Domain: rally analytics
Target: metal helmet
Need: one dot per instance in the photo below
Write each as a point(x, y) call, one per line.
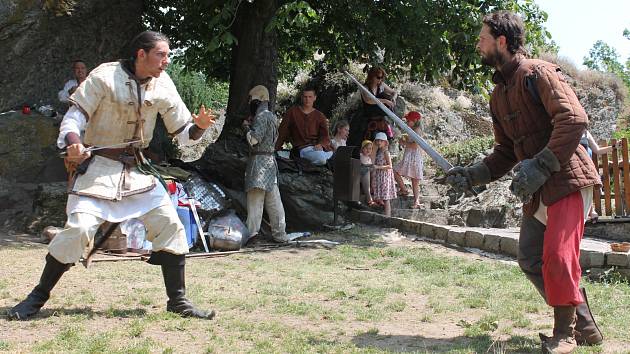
point(260, 93)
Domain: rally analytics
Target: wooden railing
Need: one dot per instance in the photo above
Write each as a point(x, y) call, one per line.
point(615, 175)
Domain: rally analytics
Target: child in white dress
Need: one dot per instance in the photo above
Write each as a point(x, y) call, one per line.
point(412, 163)
point(366, 167)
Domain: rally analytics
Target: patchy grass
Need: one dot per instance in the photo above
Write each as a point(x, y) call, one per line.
point(364, 296)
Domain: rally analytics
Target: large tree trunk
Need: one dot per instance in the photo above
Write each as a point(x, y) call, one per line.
point(307, 197)
point(40, 39)
point(254, 58)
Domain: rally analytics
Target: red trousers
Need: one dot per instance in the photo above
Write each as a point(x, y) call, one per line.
point(561, 269)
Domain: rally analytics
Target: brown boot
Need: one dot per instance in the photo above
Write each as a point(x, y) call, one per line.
point(563, 341)
point(586, 330)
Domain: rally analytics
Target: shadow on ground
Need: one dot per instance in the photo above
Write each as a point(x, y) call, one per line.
point(83, 311)
point(19, 240)
point(479, 344)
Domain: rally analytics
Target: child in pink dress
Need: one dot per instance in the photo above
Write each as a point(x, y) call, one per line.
point(384, 188)
point(412, 162)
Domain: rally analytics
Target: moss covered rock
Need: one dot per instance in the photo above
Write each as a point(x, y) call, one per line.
point(28, 151)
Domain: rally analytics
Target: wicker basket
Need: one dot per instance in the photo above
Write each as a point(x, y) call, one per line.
point(620, 247)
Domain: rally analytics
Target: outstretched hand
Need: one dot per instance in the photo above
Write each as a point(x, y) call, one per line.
point(205, 119)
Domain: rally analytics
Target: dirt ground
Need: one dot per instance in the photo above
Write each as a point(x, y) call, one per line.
point(112, 300)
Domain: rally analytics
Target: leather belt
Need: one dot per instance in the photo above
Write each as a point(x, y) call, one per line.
point(124, 155)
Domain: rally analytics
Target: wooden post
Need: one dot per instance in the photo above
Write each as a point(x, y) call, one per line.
point(597, 192)
point(606, 183)
point(615, 176)
point(626, 175)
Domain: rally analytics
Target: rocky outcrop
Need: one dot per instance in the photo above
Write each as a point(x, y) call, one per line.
point(39, 40)
point(494, 206)
point(28, 153)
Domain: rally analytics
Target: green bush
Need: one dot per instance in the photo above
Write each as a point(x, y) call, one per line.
point(620, 134)
point(465, 152)
point(196, 90)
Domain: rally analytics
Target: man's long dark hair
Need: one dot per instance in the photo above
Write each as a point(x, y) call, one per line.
point(146, 40)
point(510, 25)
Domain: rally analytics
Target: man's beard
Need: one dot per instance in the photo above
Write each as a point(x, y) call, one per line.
point(493, 59)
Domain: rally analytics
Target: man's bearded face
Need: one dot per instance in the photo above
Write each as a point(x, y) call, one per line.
point(488, 48)
point(490, 57)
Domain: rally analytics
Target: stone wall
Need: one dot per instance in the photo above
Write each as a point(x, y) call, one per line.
point(39, 40)
point(596, 257)
point(28, 153)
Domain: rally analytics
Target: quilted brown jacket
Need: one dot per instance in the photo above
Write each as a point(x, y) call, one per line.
point(525, 124)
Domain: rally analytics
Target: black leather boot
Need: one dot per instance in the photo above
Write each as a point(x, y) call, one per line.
point(53, 270)
point(174, 272)
point(586, 330)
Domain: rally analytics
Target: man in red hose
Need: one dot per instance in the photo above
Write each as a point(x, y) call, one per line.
point(538, 121)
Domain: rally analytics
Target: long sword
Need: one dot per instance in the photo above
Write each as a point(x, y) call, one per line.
point(193, 208)
point(95, 148)
point(439, 159)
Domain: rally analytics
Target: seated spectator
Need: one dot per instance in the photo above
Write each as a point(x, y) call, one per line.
point(306, 129)
point(79, 71)
point(340, 134)
point(372, 118)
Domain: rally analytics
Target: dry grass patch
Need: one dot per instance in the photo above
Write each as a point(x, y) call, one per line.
point(364, 296)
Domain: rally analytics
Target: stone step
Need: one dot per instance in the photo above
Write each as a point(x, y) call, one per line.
point(595, 254)
point(613, 229)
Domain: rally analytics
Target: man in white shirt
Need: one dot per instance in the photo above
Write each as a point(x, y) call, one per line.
point(79, 71)
point(118, 104)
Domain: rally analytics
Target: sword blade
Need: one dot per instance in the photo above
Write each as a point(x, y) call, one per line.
point(193, 208)
point(95, 148)
point(439, 159)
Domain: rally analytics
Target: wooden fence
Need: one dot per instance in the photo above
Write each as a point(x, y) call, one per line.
point(615, 174)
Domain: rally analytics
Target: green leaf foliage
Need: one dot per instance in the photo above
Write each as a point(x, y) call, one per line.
point(604, 58)
point(196, 90)
point(430, 40)
point(466, 152)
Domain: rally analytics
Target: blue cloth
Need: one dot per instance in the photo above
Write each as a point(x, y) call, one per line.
point(316, 157)
point(584, 142)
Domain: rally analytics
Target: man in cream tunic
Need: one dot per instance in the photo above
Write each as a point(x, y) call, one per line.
point(118, 103)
